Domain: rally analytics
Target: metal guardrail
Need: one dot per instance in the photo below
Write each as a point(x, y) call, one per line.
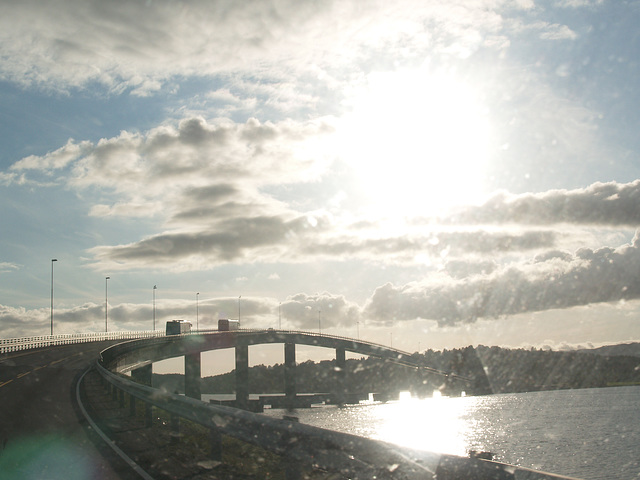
point(26, 343)
point(305, 448)
point(8, 345)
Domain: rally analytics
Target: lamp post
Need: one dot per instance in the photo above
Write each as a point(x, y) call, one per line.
point(155, 287)
point(239, 297)
point(52, 260)
point(197, 313)
point(106, 303)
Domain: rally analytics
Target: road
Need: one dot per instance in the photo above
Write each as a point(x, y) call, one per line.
point(42, 435)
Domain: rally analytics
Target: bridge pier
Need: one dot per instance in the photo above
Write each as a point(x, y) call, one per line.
point(290, 390)
point(341, 375)
point(242, 375)
point(143, 375)
point(192, 375)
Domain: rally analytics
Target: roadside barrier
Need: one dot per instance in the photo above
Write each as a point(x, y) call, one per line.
point(304, 448)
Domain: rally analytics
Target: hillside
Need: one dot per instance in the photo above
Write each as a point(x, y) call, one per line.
point(628, 349)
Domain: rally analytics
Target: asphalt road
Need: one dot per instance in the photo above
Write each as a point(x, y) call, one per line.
point(42, 434)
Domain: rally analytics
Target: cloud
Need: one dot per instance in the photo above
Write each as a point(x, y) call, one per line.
point(324, 310)
point(462, 292)
point(168, 162)
point(6, 267)
point(138, 46)
point(554, 280)
point(602, 204)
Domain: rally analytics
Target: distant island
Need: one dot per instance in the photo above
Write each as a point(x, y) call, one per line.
point(477, 370)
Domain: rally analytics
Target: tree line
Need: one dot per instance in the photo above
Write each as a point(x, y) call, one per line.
point(477, 370)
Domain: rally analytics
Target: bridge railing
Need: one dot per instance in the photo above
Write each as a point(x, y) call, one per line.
point(27, 343)
point(309, 332)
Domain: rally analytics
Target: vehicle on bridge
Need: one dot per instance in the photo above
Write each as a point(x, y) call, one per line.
point(227, 325)
point(178, 327)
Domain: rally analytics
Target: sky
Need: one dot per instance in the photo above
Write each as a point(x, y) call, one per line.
point(425, 174)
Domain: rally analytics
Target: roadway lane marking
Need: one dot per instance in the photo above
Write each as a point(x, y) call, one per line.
point(23, 374)
point(5, 383)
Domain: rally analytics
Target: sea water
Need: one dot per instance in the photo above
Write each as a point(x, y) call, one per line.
point(589, 434)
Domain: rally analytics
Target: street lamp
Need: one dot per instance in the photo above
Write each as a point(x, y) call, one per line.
point(239, 309)
point(52, 260)
point(155, 287)
point(106, 303)
point(197, 313)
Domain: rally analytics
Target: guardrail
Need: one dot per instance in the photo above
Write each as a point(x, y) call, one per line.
point(305, 448)
point(26, 343)
point(302, 446)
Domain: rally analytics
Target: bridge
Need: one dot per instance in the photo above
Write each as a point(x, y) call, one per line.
point(58, 366)
point(138, 356)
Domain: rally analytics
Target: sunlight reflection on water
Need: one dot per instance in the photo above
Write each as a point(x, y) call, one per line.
point(590, 433)
point(436, 424)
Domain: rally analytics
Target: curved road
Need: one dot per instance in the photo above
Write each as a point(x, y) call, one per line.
point(42, 434)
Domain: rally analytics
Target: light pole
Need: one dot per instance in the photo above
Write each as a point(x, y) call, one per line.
point(280, 316)
point(155, 287)
point(106, 303)
point(197, 313)
point(239, 309)
point(52, 260)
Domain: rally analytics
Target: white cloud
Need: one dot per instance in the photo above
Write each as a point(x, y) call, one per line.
point(6, 267)
point(553, 281)
point(137, 47)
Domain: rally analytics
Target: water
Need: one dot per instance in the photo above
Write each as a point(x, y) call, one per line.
point(589, 434)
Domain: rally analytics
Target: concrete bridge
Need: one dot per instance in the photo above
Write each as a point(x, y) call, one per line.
point(137, 356)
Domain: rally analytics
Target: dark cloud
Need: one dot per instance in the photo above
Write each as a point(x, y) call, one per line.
point(604, 204)
point(435, 244)
point(232, 239)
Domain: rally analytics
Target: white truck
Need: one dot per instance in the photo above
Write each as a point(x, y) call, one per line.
point(227, 325)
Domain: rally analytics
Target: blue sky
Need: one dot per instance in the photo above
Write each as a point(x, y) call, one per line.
point(440, 173)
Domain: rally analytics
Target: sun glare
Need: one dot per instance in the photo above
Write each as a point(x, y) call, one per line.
point(417, 142)
point(436, 425)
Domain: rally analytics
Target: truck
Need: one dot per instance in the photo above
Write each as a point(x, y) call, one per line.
point(227, 325)
point(178, 327)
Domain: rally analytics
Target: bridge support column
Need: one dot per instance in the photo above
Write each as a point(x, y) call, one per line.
point(192, 375)
point(242, 376)
point(341, 374)
point(290, 390)
point(143, 375)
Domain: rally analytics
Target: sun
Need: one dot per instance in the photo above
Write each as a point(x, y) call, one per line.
point(416, 141)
